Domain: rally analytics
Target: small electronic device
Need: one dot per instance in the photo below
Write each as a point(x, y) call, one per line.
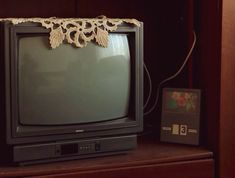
point(180, 122)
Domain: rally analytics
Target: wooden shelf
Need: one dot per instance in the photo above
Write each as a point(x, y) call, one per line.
point(149, 153)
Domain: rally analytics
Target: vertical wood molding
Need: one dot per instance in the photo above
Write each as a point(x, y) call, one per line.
point(227, 114)
point(207, 69)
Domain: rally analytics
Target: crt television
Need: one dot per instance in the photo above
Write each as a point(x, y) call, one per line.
point(68, 103)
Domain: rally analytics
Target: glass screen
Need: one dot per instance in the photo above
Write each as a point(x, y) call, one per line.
point(69, 85)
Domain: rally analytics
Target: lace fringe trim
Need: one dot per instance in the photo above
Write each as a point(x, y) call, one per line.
point(77, 31)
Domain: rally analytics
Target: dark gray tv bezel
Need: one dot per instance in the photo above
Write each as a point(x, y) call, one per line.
point(16, 134)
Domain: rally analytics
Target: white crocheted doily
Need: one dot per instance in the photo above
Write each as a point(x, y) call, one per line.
point(77, 31)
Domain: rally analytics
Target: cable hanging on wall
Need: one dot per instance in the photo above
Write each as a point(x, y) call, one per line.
point(152, 108)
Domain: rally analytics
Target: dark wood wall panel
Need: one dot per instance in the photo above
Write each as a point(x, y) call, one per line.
point(121, 8)
point(207, 69)
point(42, 8)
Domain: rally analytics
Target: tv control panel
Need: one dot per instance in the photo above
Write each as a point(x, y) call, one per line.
point(77, 148)
point(74, 149)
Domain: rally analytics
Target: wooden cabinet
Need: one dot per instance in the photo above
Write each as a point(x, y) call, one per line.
point(168, 26)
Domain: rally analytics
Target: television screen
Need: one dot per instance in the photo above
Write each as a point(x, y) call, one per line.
point(67, 85)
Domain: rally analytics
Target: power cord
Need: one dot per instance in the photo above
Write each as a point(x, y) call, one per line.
point(167, 79)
